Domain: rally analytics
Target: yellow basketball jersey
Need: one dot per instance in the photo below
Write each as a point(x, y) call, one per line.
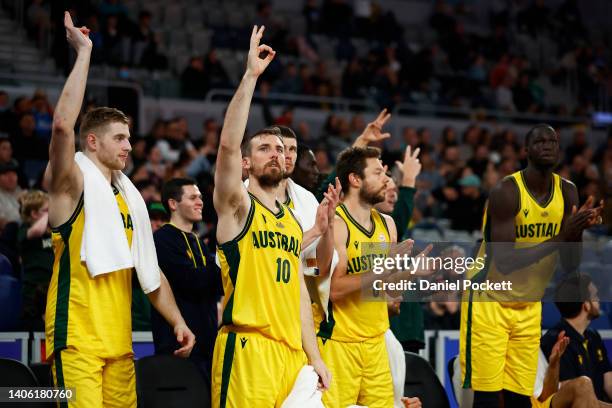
point(91, 314)
point(354, 318)
point(534, 223)
point(260, 274)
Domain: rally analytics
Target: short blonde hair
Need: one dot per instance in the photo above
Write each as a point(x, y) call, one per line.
point(98, 118)
point(32, 200)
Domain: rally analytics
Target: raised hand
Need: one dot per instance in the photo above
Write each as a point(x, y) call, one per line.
point(78, 37)
point(411, 167)
point(595, 217)
point(559, 348)
point(373, 131)
point(333, 198)
point(579, 220)
point(256, 65)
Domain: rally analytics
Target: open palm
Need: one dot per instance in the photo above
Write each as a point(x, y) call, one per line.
point(256, 65)
point(78, 37)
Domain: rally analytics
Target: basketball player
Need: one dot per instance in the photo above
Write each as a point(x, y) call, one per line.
point(352, 339)
point(88, 320)
point(267, 323)
point(529, 213)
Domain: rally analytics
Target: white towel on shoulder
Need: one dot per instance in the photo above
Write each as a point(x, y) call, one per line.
point(104, 247)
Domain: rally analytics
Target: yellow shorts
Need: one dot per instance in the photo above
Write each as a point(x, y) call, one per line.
point(537, 404)
point(250, 370)
point(499, 345)
point(360, 373)
point(97, 382)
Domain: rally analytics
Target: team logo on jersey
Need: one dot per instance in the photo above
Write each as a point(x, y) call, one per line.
point(579, 359)
point(243, 341)
point(599, 355)
point(525, 211)
point(356, 243)
point(280, 225)
point(381, 237)
point(545, 214)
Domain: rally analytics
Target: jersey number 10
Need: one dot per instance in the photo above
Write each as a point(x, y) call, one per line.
point(283, 270)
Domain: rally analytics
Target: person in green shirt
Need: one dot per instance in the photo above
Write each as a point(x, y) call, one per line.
point(36, 253)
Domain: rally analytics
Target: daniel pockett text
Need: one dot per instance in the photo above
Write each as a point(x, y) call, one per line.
point(492, 271)
point(423, 266)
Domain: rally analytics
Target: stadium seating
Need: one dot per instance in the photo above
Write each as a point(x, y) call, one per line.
point(421, 381)
point(6, 268)
point(168, 381)
point(10, 302)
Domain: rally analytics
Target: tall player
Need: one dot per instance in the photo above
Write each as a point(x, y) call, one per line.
point(529, 214)
point(88, 319)
point(267, 320)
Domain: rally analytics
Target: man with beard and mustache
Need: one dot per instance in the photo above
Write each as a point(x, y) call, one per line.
point(586, 355)
point(266, 305)
point(529, 222)
point(352, 337)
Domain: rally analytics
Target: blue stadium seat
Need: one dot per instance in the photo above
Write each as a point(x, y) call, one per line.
point(10, 302)
point(6, 268)
point(607, 255)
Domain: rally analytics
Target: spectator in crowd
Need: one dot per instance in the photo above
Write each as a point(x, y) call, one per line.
point(38, 20)
point(6, 150)
point(43, 115)
point(9, 194)
point(215, 72)
point(191, 271)
point(194, 80)
point(115, 41)
point(465, 211)
point(36, 253)
point(176, 143)
point(577, 299)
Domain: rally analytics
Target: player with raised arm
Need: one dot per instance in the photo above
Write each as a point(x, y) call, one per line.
point(88, 315)
point(267, 330)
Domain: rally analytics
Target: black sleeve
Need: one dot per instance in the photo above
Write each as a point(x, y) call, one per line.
point(330, 179)
point(570, 366)
point(402, 213)
point(182, 275)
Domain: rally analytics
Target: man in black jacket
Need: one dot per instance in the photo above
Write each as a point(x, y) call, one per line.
point(191, 272)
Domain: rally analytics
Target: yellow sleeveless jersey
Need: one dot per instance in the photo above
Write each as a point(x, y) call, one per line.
point(260, 274)
point(355, 319)
point(92, 315)
point(534, 223)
